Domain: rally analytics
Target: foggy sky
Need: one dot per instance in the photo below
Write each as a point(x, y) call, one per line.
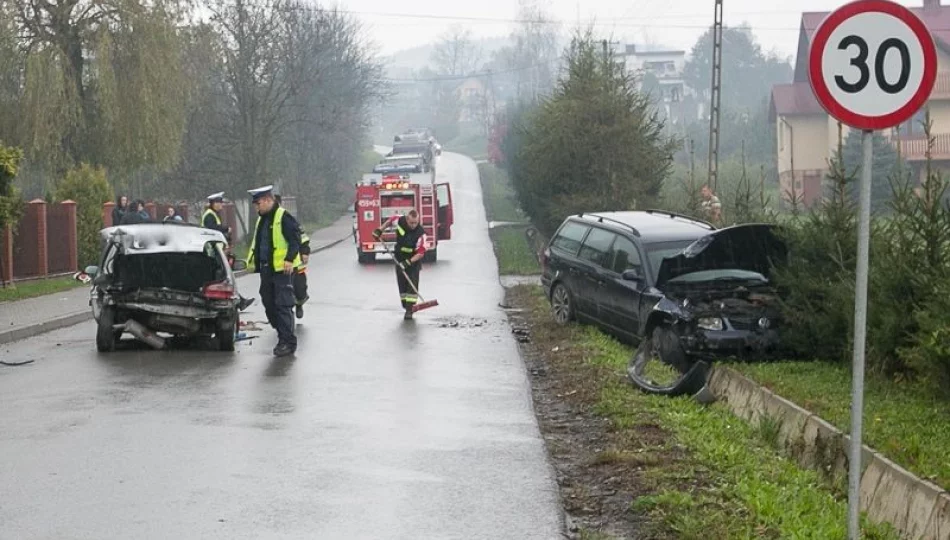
point(673, 23)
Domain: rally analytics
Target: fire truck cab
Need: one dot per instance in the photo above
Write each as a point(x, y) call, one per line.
point(379, 199)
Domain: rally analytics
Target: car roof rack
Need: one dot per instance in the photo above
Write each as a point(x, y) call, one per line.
point(682, 216)
point(602, 219)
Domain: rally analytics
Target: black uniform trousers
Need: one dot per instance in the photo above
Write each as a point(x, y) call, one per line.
point(277, 295)
point(407, 295)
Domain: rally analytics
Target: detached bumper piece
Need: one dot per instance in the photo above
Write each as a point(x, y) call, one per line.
point(143, 334)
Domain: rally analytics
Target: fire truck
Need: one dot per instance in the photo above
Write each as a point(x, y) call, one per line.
point(380, 197)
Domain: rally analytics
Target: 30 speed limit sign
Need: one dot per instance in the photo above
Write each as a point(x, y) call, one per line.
point(872, 64)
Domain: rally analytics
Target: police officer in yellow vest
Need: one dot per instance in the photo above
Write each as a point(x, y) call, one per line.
point(211, 219)
point(274, 253)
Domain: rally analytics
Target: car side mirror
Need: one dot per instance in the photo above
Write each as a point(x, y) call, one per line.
point(91, 271)
point(632, 275)
point(238, 265)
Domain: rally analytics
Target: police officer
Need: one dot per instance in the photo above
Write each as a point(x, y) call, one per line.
point(211, 219)
point(409, 250)
point(274, 253)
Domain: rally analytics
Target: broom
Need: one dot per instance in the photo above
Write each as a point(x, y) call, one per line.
point(418, 306)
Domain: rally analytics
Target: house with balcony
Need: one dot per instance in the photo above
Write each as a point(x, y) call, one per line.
point(667, 66)
point(807, 136)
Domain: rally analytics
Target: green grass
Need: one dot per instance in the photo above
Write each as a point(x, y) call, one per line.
point(471, 142)
point(907, 424)
point(748, 489)
point(513, 252)
point(32, 289)
point(501, 204)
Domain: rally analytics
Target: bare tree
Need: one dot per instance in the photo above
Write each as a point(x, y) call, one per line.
point(456, 54)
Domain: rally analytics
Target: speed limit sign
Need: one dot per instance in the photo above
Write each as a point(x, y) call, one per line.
point(872, 64)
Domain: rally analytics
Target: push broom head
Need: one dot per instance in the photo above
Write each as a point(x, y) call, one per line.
point(424, 305)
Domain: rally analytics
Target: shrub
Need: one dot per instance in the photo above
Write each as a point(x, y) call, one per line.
point(11, 203)
point(89, 188)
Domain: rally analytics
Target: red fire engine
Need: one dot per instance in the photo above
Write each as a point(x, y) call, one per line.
point(377, 200)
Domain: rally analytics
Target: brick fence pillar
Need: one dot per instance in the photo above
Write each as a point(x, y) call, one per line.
point(72, 234)
point(107, 209)
point(152, 210)
point(183, 211)
point(6, 256)
point(36, 216)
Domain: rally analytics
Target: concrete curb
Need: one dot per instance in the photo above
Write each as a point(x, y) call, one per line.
point(57, 323)
point(889, 493)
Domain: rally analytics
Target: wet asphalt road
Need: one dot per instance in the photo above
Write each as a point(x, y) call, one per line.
point(378, 428)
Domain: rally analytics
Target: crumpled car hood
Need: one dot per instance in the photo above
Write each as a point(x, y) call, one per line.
point(752, 247)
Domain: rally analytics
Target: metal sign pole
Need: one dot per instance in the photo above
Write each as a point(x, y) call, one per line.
point(860, 334)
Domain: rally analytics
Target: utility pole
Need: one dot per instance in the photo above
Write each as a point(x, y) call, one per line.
point(716, 94)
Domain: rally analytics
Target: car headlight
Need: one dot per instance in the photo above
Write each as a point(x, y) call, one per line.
point(710, 323)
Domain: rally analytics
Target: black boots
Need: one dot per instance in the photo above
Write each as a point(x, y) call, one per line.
point(244, 303)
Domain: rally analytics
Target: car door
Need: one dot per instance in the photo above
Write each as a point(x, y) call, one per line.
point(592, 278)
point(564, 266)
point(622, 305)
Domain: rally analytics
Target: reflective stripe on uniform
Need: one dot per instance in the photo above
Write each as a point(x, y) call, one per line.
point(407, 250)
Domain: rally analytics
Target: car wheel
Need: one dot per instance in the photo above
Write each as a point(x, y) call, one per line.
point(105, 334)
point(227, 332)
point(562, 304)
point(661, 366)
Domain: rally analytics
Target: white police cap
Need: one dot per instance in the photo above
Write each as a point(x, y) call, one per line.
point(219, 196)
point(260, 192)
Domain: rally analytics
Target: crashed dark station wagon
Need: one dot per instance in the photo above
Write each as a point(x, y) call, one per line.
point(171, 278)
point(687, 292)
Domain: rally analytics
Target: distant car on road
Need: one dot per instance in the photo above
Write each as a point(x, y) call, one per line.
point(687, 292)
point(170, 277)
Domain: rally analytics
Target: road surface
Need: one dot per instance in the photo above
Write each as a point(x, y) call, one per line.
point(377, 428)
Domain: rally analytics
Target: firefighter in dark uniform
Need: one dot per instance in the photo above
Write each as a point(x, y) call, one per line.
point(409, 250)
point(275, 253)
point(211, 219)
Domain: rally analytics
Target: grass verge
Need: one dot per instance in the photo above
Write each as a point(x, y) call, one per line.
point(707, 474)
point(470, 142)
point(514, 253)
point(908, 425)
point(32, 289)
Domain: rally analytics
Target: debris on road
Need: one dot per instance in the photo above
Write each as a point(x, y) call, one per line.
point(144, 335)
point(14, 364)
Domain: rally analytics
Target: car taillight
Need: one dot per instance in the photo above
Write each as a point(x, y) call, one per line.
point(221, 290)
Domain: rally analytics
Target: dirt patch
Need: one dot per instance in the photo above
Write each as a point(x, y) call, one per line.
point(602, 466)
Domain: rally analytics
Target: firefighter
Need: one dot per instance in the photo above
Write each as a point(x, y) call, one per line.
point(211, 219)
point(409, 250)
point(275, 253)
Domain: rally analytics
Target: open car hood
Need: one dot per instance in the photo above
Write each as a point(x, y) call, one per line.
point(753, 247)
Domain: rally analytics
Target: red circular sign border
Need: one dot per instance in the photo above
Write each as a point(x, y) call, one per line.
point(840, 112)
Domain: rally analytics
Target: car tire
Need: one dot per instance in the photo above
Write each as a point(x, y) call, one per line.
point(365, 258)
point(430, 256)
point(105, 334)
point(663, 343)
point(227, 332)
point(562, 304)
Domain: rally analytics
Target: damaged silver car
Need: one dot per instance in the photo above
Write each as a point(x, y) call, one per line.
point(687, 292)
point(169, 278)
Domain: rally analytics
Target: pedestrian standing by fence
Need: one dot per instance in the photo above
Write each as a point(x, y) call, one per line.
point(274, 254)
point(121, 208)
point(137, 214)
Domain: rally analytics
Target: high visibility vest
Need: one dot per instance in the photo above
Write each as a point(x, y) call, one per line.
point(217, 218)
point(278, 244)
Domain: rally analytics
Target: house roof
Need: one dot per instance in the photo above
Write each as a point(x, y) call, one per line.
point(795, 99)
point(935, 17)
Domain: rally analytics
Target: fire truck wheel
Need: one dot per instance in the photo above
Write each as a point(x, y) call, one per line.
point(430, 257)
point(365, 258)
